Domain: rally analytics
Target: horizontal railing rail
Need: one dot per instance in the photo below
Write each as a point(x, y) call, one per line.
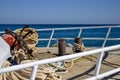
point(79, 34)
point(35, 64)
point(105, 39)
point(82, 38)
point(70, 28)
point(101, 51)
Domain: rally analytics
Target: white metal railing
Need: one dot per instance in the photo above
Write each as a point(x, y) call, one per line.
point(79, 33)
point(35, 64)
point(101, 51)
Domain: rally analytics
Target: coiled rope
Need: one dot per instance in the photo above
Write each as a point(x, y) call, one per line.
point(78, 47)
point(63, 66)
point(19, 55)
point(30, 39)
point(44, 72)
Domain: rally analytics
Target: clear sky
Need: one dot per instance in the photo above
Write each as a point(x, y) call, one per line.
point(59, 11)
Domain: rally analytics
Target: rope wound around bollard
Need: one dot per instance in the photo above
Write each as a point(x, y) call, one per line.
point(78, 46)
point(63, 66)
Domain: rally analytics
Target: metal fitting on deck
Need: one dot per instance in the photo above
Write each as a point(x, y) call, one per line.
point(61, 47)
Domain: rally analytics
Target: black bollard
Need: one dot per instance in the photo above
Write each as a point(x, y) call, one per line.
point(61, 47)
point(78, 41)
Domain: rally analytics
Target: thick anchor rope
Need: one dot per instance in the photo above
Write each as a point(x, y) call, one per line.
point(21, 52)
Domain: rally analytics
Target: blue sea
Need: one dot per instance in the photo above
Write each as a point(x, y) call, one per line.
point(90, 33)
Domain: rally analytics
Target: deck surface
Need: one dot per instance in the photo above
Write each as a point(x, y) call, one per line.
point(84, 67)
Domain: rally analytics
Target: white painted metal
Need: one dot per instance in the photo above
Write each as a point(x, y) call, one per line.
point(71, 28)
point(80, 28)
point(2, 31)
point(50, 38)
point(33, 73)
point(107, 35)
point(113, 39)
point(79, 34)
point(99, 60)
point(104, 74)
point(46, 61)
point(56, 59)
point(83, 39)
point(98, 64)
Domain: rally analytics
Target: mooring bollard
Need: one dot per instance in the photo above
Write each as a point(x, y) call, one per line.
point(77, 47)
point(78, 41)
point(61, 47)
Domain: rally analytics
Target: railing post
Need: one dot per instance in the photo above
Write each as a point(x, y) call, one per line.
point(100, 57)
point(79, 34)
point(107, 35)
point(98, 65)
point(33, 73)
point(50, 38)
